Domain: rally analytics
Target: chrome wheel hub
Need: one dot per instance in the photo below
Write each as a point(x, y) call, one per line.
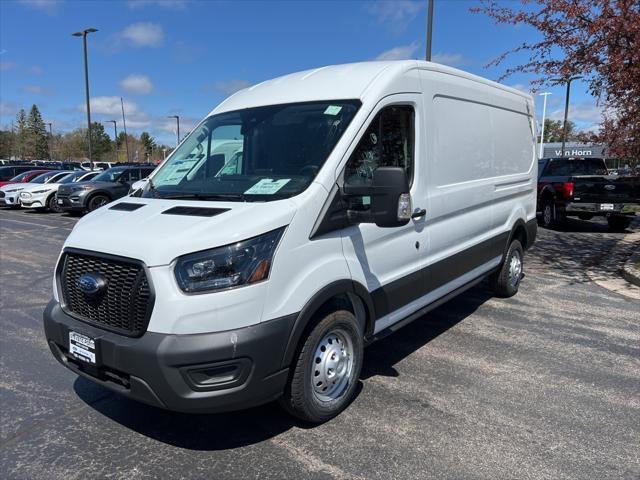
point(515, 269)
point(332, 365)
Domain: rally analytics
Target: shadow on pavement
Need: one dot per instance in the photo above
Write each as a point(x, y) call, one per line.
point(236, 429)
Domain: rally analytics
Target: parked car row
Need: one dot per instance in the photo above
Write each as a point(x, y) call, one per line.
point(64, 190)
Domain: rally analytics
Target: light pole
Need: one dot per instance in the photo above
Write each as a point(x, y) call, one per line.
point(544, 113)
point(83, 34)
point(115, 139)
point(50, 140)
point(124, 123)
point(177, 117)
point(429, 29)
point(568, 80)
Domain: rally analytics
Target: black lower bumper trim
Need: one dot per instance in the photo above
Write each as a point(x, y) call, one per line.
point(199, 373)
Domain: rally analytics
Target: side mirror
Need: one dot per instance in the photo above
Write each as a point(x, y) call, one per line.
point(390, 198)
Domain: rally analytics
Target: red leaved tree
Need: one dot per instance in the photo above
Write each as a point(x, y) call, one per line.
point(599, 39)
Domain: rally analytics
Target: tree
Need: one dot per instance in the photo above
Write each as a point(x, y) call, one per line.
point(599, 39)
point(100, 141)
point(148, 144)
point(37, 139)
point(6, 144)
point(72, 145)
point(553, 131)
point(21, 134)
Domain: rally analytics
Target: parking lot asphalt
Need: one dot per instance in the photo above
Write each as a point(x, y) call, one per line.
point(542, 385)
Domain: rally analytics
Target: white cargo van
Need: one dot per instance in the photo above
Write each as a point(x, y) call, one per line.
point(362, 196)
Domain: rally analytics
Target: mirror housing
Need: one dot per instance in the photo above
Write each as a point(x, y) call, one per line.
point(390, 198)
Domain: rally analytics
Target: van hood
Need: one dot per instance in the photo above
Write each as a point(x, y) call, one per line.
point(156, 237)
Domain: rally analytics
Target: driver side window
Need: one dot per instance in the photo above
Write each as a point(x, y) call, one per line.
point(388, 142)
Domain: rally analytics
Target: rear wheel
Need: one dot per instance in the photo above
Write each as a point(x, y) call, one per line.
point(326, 371)
point(618, 223)
point(506, 281)
point(551, 217)
point(52, 205)
point(96, 202)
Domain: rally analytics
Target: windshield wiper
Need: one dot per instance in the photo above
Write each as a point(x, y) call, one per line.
point(232, 197)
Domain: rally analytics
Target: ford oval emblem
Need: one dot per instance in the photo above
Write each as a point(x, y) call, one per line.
point(91, 283)
point(610, 186)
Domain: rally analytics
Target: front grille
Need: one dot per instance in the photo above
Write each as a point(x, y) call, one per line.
point(125, 305)
point(63, 193)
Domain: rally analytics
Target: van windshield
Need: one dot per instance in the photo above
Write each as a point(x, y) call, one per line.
point(256, 154)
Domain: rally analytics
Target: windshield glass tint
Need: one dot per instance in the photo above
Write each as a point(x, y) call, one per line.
point(21, 177)
point(261, 153)
point(110, 175)
point(588, 166)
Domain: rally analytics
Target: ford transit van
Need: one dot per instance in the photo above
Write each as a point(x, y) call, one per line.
point(352, 199)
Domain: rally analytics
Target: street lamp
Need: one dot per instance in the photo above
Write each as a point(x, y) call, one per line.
point(544, 112)
point(115, 138)
point(50, 142)
point(429, 30)
point(84, 34)
point(568, 80)
point(177, 117)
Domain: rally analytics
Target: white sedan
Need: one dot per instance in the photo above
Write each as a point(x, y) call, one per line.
point(43, 196)
point(11, 191)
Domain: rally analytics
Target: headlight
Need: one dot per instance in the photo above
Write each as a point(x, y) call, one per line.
point(81, 187)
point(229, 266)
point(39, 191)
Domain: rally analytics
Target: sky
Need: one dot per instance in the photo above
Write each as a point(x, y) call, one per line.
point(183, 57)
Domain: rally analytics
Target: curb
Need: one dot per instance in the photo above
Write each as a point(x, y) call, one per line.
point(630, 273)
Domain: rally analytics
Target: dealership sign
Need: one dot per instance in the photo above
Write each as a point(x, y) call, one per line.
point(588, 151)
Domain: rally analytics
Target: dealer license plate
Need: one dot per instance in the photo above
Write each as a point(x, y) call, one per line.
point(82, 347)
point(606, 206)
point(60, 202)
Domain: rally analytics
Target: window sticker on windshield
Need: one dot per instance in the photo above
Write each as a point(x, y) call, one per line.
point(267, 186)
point(333, 110)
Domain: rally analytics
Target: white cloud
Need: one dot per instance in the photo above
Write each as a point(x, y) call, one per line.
point(451, 59)
point(399, 53)
point(143, 34)
point(136, 84)
point(168, 4)
point(395, 14)
point(37, 90)
point(8, 109)
point(581, 112)
point(522, 88)
point(227, 87)
point(46, 6)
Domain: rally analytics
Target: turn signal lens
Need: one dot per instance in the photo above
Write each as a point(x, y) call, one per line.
point(404, 207)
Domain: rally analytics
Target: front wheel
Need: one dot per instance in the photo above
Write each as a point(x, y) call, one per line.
point(96, 202)
point(52, 205)
point(326, 371)
point(506, 281)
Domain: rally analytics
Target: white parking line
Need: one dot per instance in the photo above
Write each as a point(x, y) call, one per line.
point(35, 224)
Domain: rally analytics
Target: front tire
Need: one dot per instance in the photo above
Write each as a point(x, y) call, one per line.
point(506, 281)
point(52, 205)
point(96, 202)
point(325, 373)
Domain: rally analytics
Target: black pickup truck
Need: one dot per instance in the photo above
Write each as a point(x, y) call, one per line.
point(580, 187)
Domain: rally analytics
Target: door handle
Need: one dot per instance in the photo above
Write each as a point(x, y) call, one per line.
point(419, 213)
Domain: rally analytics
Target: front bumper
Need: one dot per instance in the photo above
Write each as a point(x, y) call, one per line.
point(596, 208)
point(71, 204)
point(10, 201)
point(210, 372)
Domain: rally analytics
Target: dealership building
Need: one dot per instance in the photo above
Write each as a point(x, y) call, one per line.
point(575, 149)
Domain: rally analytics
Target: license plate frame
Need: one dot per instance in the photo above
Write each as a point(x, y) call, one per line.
point(59, 201)
point(82, 347)
point(606, 207)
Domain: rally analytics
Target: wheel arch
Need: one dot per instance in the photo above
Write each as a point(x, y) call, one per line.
point(346, 294)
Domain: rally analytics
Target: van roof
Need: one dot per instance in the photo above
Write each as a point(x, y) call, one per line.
point(340, 82)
